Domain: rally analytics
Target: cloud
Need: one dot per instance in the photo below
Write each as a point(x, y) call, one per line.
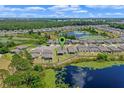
point(7, 15)
point(30, 15)
point(22, 15)
point(110, 14)
point(97, 6)
point(58, 7)
point(57, 11)
point(25, 9)
point(34, 9)
point(106, 6)
point(64, 8)
point(81, 11)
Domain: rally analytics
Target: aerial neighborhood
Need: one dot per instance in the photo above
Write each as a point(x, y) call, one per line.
point(112, 43)
point(35, 45)
point(61, 46)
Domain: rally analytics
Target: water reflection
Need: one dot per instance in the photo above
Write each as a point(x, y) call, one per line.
point(112, 77)
point(79, 34)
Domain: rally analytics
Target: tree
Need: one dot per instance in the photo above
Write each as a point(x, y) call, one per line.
point(10, 44)
point(28, 56)
point(4, 50)
point(20, 63)
point(14, 80)
point(38, 68)
point(121, 57)
point(39, 33)
point(102, 57)
point(33, 79)
point(31, 32)
point(1, 45)
point(30, 79)
point(40, 41)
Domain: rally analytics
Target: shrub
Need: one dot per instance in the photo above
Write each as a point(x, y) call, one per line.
point(4, 50)
point(38, 68)
point(102, 57)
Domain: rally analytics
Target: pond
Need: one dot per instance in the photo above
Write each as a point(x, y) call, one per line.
point(112, 77)
point(84, 35)
point(79, 34)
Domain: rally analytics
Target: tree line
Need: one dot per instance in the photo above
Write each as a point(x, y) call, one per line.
point(16, 25)
point(115, 25)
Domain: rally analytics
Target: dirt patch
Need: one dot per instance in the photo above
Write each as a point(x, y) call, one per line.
point(4, 63)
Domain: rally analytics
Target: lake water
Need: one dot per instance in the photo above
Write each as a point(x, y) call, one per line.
point(112, 77)
point(84, 35)
point(79, 34)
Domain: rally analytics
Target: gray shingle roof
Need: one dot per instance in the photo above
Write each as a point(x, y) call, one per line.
point(115, 49)
point(47, 54)
point(15, 51)
point(72, 49)
point(21, 47)
point(104, 49)
point(35, 55)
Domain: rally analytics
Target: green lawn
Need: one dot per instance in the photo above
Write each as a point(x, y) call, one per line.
point(3, 39)
point(93, 37)
point(50, 78)
point(61, 57)
point(99, 65)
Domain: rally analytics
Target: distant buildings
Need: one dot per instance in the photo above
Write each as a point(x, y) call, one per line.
point(47, 52)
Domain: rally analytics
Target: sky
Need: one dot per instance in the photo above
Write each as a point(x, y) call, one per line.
point(61, 11)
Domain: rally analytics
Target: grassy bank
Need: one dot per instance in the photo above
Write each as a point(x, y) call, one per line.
point(49, 78)
point(98, 65)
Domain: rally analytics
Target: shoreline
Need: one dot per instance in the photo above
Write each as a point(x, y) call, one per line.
point(96, 65)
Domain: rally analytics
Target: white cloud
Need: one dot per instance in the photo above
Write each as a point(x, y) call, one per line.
point(81, 11)
point(106, 6)
point(34, 9)
point(59, 13)
point(97, 6)
point(25, 9)
point(110, 14)
point(7, 14)
point(22, 15)
point(64, 8)
point(57, 7)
